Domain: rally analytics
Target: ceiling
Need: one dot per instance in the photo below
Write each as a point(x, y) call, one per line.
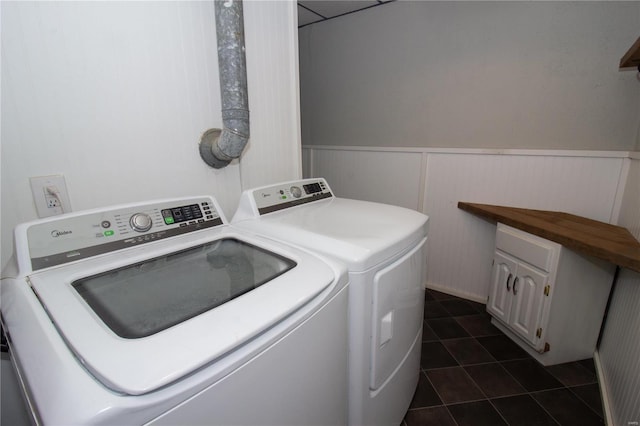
point(313, 11)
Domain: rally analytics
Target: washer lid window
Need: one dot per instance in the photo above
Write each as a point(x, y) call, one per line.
point(137, 366)
point(145, 298)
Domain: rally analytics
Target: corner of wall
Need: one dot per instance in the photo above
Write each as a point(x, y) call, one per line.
point(617, 355)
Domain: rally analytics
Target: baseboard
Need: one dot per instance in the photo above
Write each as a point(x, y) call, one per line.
point(604, 394)
point(461, 294)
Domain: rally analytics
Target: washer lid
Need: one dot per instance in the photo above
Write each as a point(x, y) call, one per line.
point(360, 233)
point(138, 321)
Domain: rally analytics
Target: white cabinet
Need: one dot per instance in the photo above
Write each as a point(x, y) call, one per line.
point(519, 297)
point(500, 296)
point(548, 299)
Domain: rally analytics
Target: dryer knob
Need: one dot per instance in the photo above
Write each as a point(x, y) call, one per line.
point(140, 222)
point(296, 191)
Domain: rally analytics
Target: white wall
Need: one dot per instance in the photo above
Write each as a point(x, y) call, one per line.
point(115, 96)
point(638, 132)
point(460, 245)
point(581, 185)
point(472, 74)
point(620, 345)
point(274, 150)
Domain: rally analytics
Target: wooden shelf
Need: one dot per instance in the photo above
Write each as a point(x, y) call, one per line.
point(631, 59)
point(612, 243)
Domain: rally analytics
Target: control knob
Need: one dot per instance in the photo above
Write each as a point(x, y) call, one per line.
point(140, 222)
point(296, 191)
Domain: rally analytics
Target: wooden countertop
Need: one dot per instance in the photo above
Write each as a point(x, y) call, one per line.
point(632, 57)
point(602, 240)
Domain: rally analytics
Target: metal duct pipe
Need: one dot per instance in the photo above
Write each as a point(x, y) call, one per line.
point(219, 147)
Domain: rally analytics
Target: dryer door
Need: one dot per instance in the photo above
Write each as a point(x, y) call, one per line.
point(398, 309)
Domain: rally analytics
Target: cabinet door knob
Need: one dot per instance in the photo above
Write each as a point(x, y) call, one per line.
point(508, 281)
point(515, 290)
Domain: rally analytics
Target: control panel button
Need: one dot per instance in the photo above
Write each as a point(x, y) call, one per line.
point(106, 224)
point(140, 222)
point(296, 191)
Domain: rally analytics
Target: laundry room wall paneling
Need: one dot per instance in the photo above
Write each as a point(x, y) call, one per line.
point(638, 132)
point(580, 185)
point(115, 96)
point(460, 245)
point(618, 354)
point(274, 150)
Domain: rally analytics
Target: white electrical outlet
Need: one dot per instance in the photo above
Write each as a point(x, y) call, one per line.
point(50, 195)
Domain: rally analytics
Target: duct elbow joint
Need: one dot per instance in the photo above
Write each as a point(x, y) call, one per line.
point(219, 147)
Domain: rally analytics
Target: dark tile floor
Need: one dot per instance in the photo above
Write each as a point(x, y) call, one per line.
point(472, 374)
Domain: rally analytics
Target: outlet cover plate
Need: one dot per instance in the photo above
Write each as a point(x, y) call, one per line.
point(46, 203)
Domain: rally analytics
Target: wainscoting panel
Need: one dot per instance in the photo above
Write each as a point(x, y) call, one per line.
point(619, 352)
point(460, 245)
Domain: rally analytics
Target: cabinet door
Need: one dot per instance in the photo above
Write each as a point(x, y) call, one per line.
point(528, 299)
point(502, 277)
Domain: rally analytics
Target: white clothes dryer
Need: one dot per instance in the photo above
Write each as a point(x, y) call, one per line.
point(161, 313)
point(383, 248)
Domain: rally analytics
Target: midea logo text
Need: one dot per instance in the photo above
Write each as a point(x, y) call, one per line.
point(57, 233)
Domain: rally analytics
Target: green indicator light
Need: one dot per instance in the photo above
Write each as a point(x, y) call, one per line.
point(108, 233)
point(168, 220)
point(284, 197)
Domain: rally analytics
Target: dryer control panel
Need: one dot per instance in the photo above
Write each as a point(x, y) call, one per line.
point(285, 195)
point(80, 235)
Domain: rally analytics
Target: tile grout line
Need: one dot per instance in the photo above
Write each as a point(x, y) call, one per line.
point(499, 412)
point(564, 386)
point(499, 362)
point(582, 400)
point(530, 394)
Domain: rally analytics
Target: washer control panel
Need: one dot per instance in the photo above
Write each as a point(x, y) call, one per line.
point(80, 235)
point(290, 194)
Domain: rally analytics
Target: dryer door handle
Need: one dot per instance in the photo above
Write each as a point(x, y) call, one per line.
point(386, 328)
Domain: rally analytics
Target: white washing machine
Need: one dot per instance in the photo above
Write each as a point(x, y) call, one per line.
point(383, 248)
point(161, 313)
